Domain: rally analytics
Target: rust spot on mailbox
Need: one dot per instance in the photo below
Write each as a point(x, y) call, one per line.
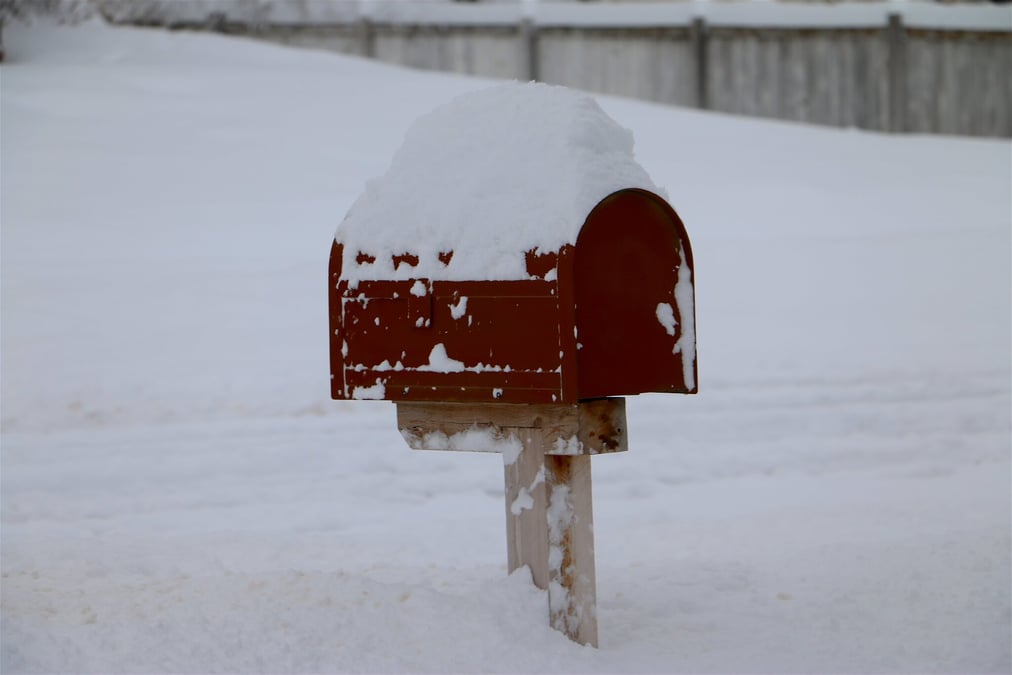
point(611, 315)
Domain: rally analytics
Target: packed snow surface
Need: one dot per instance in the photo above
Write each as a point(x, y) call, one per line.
point(489, 176)
point(179, 495)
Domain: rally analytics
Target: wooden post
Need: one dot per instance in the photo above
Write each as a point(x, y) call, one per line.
point(550, 528)
point(896, 37)
point(526, 499)
point(699, 51)
point(549, 504)
point(572, 579)
point(529, 49)
point(367, 37)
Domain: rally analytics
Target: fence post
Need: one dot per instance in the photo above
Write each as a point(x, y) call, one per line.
point(896, 38)
point(367, 37)
point(699, 40)
point(529, 49)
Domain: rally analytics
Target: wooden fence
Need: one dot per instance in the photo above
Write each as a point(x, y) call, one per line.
point(902, 67)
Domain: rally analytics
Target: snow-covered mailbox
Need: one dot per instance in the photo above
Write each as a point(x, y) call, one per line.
point(512, 270)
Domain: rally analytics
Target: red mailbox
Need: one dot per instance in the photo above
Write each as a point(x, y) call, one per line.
point(609, 316)
point(506, 282)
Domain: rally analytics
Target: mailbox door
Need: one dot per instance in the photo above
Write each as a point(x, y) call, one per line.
point(635, 319)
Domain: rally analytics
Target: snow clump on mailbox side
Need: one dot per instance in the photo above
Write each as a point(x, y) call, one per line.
point(489, 176)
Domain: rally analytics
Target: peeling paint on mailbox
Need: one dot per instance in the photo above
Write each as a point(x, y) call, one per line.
point(611, 316)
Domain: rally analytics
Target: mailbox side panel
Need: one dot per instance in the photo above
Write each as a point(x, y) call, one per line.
point(635, 309)
point(417, 340)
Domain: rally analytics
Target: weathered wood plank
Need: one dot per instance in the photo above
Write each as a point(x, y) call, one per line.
point(526, 524)
point(520, 416)
point(587, 428)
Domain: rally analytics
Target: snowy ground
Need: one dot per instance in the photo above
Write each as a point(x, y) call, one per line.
point(179, 494)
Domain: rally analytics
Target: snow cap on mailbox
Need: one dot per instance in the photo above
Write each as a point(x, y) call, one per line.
point(514, 251)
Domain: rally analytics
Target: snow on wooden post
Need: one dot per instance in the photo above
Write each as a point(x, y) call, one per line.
point(511, 276)
point(572, 578)
point(546, 452)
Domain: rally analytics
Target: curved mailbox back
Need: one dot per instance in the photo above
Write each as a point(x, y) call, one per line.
point(611, 316)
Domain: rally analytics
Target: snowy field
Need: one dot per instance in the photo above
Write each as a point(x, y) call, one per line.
point(180, 495)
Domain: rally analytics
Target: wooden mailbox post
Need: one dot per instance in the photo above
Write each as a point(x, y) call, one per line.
point(531, 368)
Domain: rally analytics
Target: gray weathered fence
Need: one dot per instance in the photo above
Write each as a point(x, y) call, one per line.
point(906, 67)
